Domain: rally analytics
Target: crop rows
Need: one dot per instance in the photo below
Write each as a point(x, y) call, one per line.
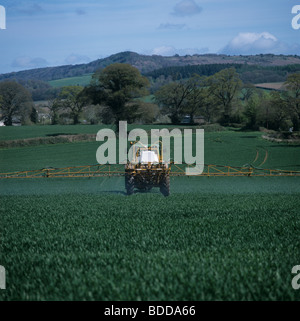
point(147, 247)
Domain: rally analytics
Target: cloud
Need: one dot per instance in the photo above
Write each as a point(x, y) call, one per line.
point(163, 51)
point(171, 51)
point(171, 26)
point(25, 62)
point(186, 8)
point(251, 43)
point(77, 59)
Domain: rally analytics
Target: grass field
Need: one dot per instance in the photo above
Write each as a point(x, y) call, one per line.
point(225, 238)
point(229, 147)
point(271, 86)
point(23, 132)
point(71, 81)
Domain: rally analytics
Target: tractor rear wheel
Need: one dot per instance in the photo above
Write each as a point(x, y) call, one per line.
point(165, 186)
point(129, 184)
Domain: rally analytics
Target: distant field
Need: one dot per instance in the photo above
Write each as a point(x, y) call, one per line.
point(23, 132)
point(148, 99)
point(72, 81)
point(271, 86)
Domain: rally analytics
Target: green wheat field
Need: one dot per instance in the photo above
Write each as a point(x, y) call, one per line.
point(213, 238)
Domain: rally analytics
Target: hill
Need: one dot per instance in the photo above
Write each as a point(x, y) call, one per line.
point(147, 64)
point(248, 73)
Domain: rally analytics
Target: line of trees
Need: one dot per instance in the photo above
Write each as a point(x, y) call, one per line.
point(223, 98)
point(211, 97)
point(278, 110)
point(248, 73)
point(115, 93)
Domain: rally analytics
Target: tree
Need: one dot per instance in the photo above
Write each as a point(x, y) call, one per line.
point(34, 115)
point(117, 87)
point(223, 86)
point(16, 101)
point(72, 98)
point(251, 113)
point(278, 112)
point(264, 108)
point(247, 92)
point(148, 112)
point(54, 105)
point(293, 85)
point(210, 110)
point(173, 99)
point(196, 98)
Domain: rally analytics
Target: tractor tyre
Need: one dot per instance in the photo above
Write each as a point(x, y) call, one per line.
point(129, 184)
point(165, 186)
point(126, 180)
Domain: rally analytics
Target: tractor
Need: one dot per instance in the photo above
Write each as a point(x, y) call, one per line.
point(147, 169)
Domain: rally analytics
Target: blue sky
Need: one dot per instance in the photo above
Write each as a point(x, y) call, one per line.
point(50, 33)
